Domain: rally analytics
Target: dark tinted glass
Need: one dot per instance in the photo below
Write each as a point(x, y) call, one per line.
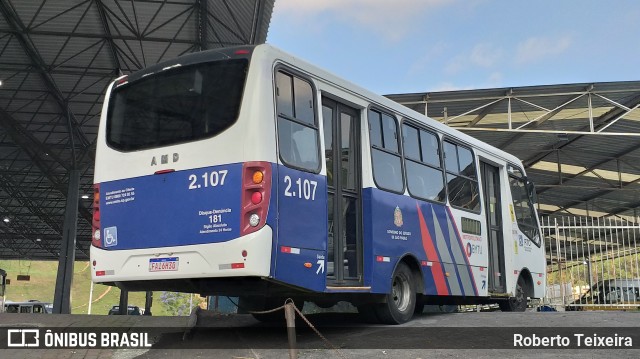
point(304, 101)
point(178, 105)
point(284, 94)
point(411, 144)
point(465, 158)
point(349, 164)
point(450, 157)
point(463, 192)
point(375, 132)
point(525, 215)
point(429, 143)
point(387, 170)
point(389, 130)
point(298, 145)
point(425, 182)
point(327, 121)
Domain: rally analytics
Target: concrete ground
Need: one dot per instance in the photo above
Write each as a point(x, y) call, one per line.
point(427, 336)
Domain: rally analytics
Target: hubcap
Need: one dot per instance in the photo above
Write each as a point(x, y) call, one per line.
point(401, 292)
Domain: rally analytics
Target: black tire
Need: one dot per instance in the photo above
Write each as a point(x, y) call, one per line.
point(518, 303)
point(368, 314)
point(419, 308)
point(401, 302)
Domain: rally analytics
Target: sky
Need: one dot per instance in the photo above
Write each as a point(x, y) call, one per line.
point(405, 46)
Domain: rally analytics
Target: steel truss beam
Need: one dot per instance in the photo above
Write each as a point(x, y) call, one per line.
point(27, 142)
point(20, 32)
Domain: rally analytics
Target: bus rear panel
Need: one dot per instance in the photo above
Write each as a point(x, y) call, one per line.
point(175, 194)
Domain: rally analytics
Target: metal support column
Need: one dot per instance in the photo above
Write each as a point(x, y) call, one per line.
point(62, 296)
point(124, 302)
point(148, 302)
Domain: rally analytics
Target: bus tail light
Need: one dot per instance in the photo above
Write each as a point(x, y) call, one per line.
point(256, 190)
point(96, 240)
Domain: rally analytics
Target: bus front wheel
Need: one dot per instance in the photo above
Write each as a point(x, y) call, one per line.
point(401, 301)
point(517, 303)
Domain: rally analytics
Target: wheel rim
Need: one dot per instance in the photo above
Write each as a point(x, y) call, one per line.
point(401, 292)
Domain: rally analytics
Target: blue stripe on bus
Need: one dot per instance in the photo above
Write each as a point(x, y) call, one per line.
point(172, 209)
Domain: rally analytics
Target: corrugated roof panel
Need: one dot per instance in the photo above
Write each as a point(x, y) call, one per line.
point(55, 15)
point(172, 21)
point(155, 52)
point(78, 52)
point(236, 18)
point(29, 83)
point(13, 52)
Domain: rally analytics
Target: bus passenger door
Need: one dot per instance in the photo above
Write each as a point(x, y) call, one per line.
point(342, 156)
point(490, 176)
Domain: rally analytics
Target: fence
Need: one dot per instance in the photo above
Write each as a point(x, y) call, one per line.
point(592, 263)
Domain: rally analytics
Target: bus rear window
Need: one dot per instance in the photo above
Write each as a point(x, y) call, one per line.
point(179, 105)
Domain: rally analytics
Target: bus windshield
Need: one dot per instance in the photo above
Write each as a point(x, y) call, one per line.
point(177, 105)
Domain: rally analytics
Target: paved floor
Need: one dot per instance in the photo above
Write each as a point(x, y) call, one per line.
point(427, 336)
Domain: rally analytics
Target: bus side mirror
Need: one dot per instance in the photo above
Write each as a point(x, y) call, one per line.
point(531, 190)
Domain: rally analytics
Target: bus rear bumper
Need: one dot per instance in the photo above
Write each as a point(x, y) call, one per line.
point(211, 260)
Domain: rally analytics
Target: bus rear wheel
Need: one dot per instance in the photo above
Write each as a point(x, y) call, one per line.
point(517, 303)
point(401, 301)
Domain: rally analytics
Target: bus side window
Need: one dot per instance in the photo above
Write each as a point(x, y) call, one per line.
point(297, 129)
point(462, 178)
point(422, 162)
point(385, 155)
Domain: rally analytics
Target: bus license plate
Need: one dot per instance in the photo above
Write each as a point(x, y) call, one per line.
point(163, 264)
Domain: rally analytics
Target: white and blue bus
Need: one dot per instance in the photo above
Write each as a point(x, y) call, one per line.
point(248, 172)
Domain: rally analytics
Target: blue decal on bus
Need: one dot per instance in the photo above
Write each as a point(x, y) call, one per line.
point(173, 209)
point(302, 223)
point(425, 230)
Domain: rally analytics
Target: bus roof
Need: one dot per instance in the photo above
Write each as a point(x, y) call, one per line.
point(274, 54)
point(382, 101)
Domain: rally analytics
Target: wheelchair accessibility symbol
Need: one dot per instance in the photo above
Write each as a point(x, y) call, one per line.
point(111, 236)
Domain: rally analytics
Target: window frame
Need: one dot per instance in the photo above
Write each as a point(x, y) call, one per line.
point(522, 178)
point(419, 127)
point(399, 143)
point(314, 126)
point(458, 143)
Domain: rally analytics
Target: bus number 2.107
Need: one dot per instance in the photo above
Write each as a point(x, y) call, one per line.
point(208, 179)
point(306, 189)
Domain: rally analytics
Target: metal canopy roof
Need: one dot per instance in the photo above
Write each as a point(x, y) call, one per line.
point(580, 143)
point(56, 59)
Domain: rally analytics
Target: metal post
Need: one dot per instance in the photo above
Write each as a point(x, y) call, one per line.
point(90, 298)
point(148, 302)
point(590, 274)
point(290, 316)
point(555, 220)
point(123, 308)
point(426, 105)
point(509, 113)
point(559, 166)
point(62, 296)
point(589, 105)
